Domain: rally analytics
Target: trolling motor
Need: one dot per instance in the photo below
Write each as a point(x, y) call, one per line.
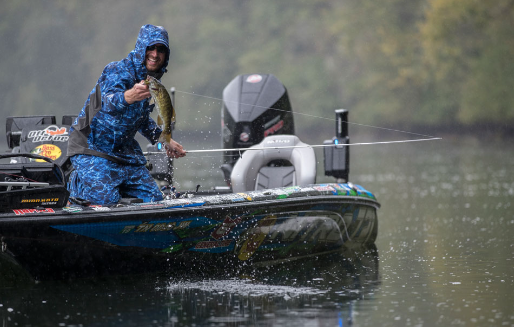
point(337, 157)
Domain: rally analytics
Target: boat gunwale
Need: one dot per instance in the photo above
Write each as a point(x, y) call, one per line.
point(115, 213)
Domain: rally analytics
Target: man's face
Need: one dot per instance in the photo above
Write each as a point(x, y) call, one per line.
point(155, 56)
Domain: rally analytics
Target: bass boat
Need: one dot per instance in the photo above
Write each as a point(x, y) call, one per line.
point(271, 211)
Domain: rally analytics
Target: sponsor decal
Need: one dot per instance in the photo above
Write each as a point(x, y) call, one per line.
point(279, 194)
point(255, 239)
point(47, 150)
point(127, 229)
point(181, 203)
point(47, 200)
point(340, 189)
point(244, 137)
point(289, 191)
point(96, 207)
point(363, 192)
point(255, 78)
point(143, 228)
point(225, 228)
point(173, 248)
point(156, 227)
point(278, 141)
point(72, 209)
point(164, 227)
point(273, 129)
point(293, 189)
point(245, 196)
point(155, 235)
point(52, 133)
point(212, 244)
point(324, 188)
point(20, 212)
point(271, 122)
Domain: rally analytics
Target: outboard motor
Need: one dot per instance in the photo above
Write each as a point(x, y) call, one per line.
point(254, 106)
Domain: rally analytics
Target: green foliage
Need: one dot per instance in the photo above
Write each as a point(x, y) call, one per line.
point(470, 45)
point(393, 63)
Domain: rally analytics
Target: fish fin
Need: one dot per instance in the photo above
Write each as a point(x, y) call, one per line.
point(160, 122)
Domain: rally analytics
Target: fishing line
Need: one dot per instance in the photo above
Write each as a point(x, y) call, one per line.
point(304, 114)
point(312, 146)
point(302, 146)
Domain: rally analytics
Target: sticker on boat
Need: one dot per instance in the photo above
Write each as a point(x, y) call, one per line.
point(20, 212)
point(52, 133)
point(257, 236)
point(47, 150)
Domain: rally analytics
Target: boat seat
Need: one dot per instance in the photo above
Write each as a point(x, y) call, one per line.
point(273, 166)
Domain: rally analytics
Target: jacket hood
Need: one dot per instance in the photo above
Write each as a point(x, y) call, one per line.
point(149, 35)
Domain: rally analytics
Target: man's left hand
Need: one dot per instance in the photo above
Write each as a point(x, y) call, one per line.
point(174, 149)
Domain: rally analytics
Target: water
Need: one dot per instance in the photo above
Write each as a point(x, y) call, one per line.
point(445, 257)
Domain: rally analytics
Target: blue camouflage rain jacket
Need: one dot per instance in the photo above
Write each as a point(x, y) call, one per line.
point(107, 124)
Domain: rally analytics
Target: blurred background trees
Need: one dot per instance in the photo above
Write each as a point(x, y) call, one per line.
point(428, 65)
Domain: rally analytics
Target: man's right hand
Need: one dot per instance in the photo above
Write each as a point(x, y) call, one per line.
point(137, 93)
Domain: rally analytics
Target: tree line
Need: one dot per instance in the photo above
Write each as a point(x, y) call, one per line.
point(433, 64)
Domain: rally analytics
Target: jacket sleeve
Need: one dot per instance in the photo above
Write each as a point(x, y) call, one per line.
point(114, 82)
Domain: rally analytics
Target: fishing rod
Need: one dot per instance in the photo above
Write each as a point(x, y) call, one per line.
point(299, 146)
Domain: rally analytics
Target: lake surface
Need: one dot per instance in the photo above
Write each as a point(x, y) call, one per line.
point(444, 257)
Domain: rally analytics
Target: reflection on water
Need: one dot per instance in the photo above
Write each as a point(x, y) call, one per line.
point(321, 289)
point(318, 289)
point(445, 235)
point(445, 245)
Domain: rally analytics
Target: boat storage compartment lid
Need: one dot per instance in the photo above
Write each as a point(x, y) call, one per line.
point(31, 185)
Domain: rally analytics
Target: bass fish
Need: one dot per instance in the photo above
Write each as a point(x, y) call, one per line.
point(162, 100)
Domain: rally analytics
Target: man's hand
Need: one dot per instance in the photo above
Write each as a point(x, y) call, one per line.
point(139, 92)
point(174, 149)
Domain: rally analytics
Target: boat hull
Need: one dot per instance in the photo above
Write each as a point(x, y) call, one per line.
point(205, 232)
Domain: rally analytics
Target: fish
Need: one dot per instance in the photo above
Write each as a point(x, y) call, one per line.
point(162, 100)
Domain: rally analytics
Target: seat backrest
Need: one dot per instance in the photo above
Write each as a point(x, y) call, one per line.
point(253, 172)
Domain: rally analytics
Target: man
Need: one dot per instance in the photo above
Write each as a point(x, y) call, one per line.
point(109, 163)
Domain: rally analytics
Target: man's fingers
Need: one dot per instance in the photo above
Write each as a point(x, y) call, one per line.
point(142, 91)
point(175, 151)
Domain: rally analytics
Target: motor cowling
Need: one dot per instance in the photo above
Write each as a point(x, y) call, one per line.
point(254, 106)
